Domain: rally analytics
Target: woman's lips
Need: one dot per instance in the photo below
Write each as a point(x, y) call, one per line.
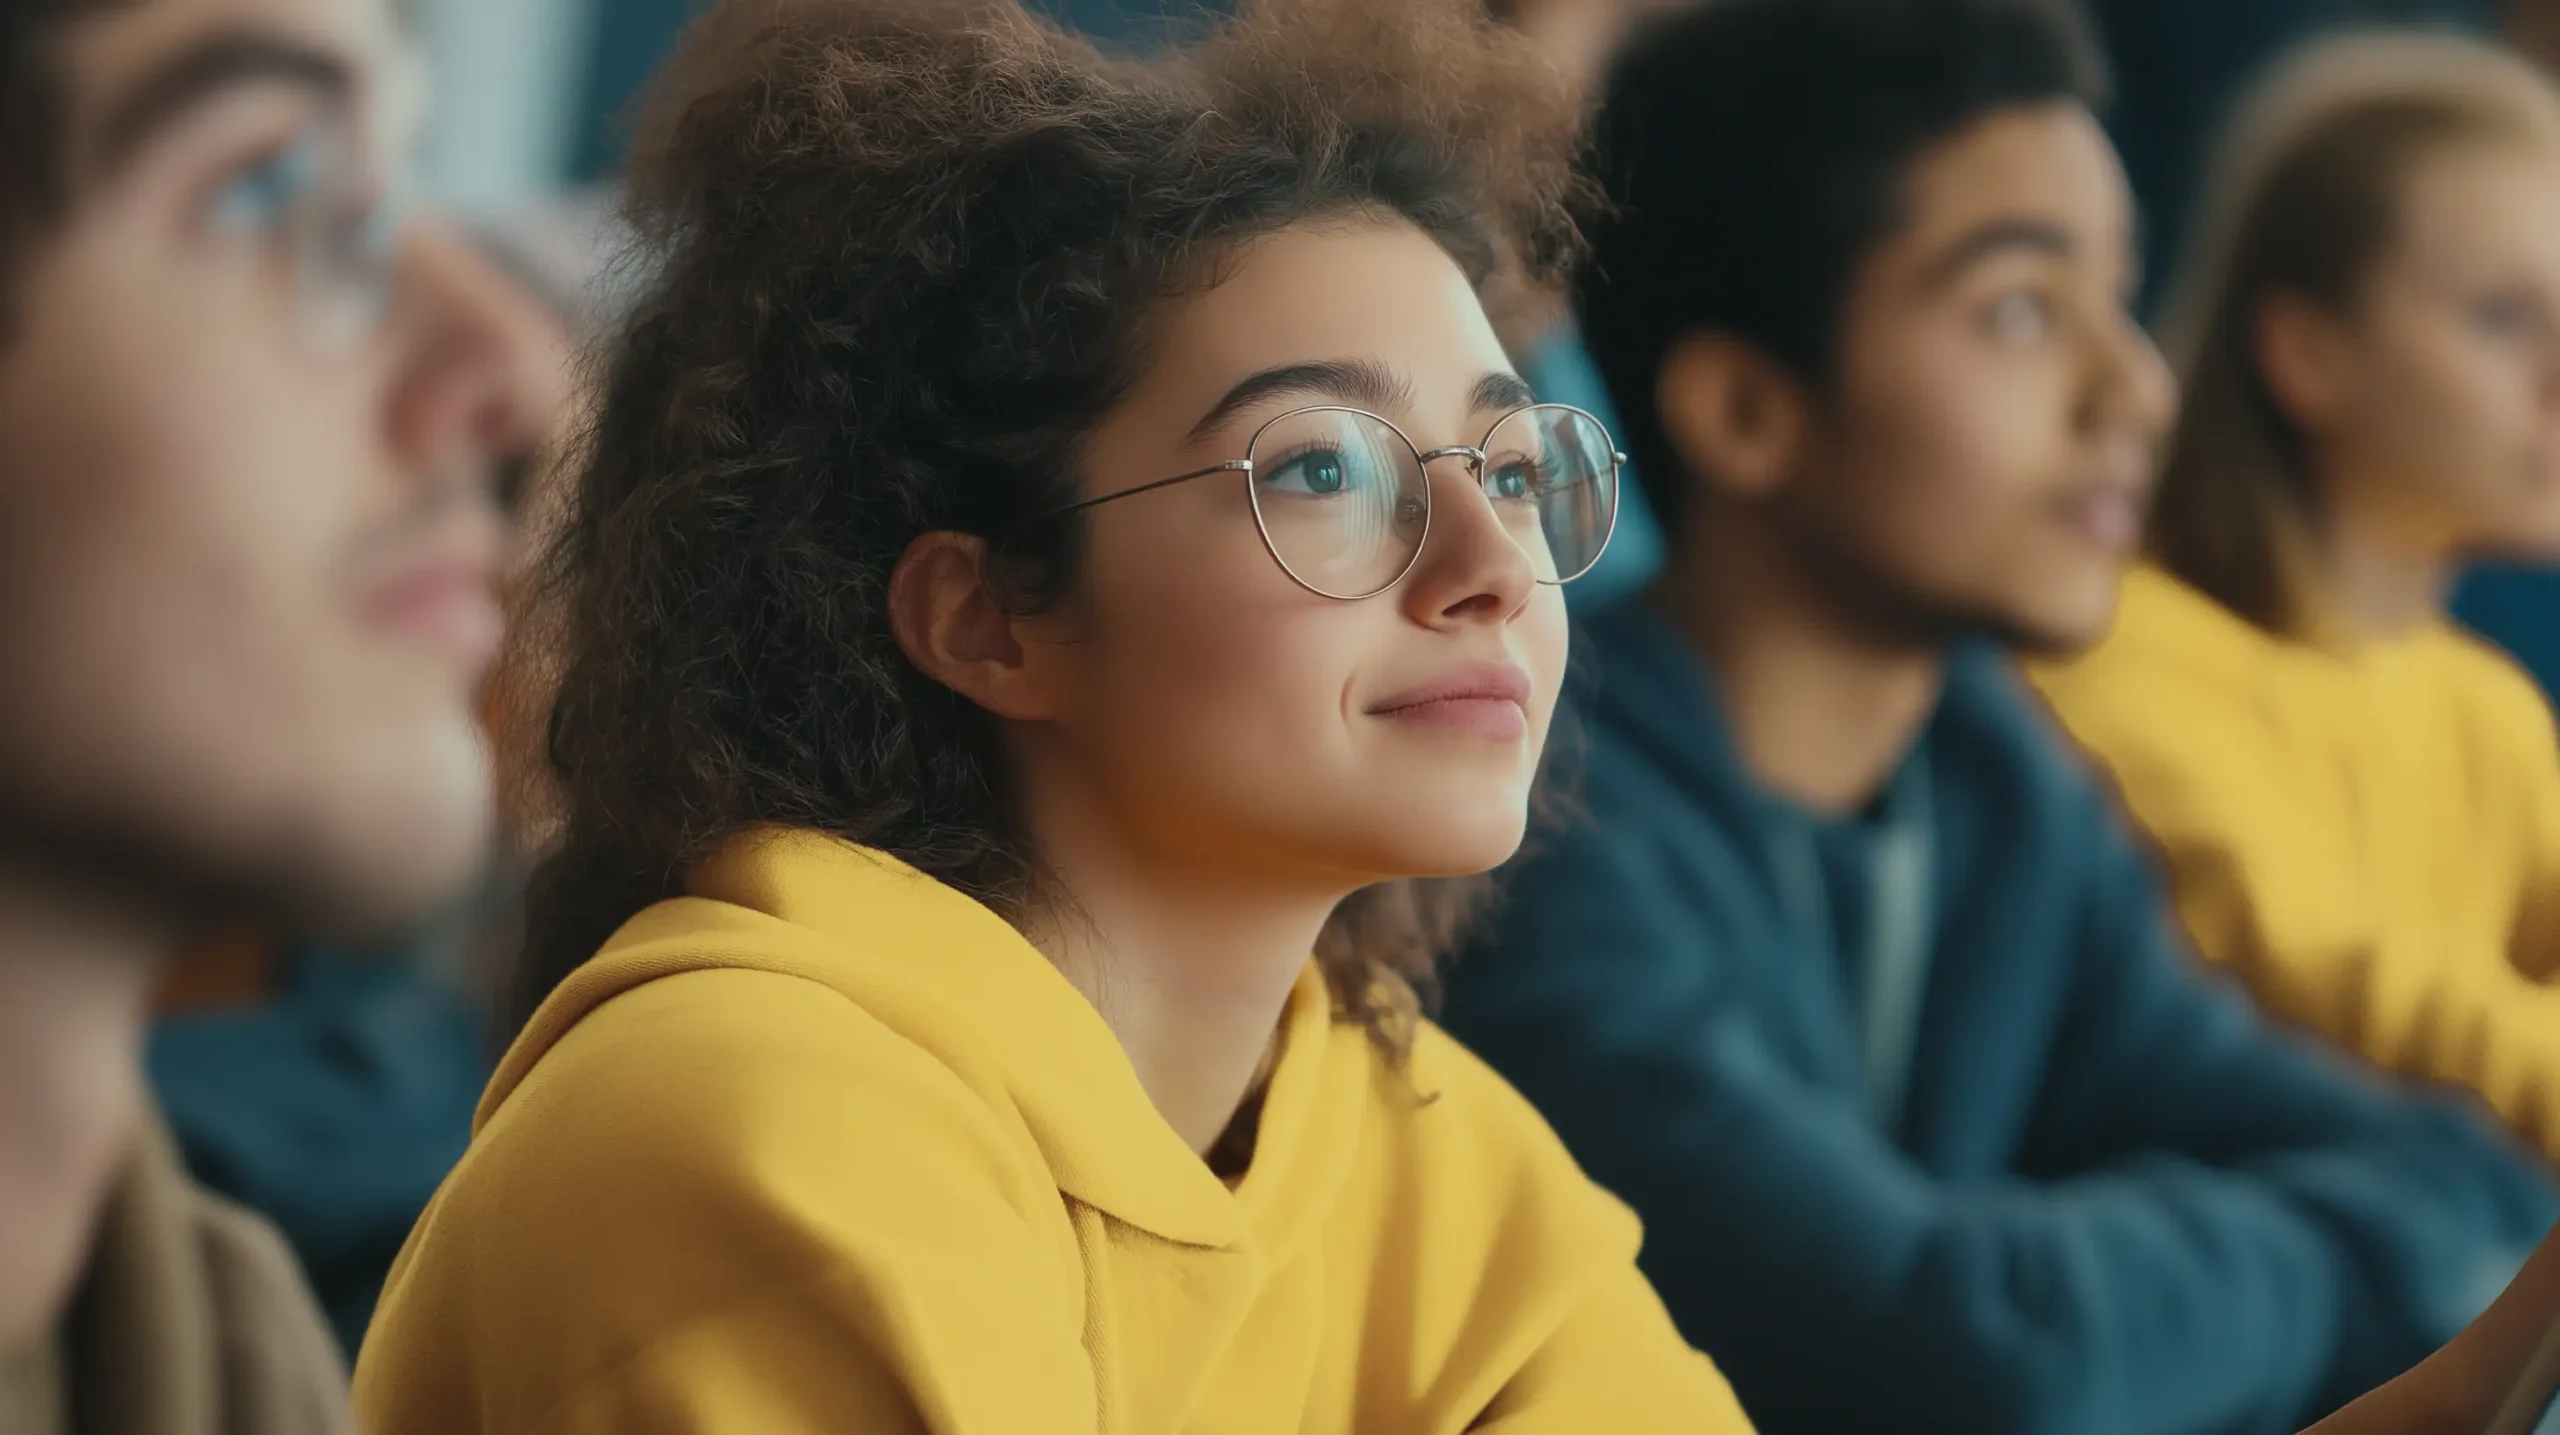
point(1499, 719)
point(1489, 700)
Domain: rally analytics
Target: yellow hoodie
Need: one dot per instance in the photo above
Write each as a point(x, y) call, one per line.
point(827, 1146)
point(2371, 839)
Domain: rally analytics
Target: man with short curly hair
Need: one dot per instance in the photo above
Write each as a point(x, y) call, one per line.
point(1856, 987)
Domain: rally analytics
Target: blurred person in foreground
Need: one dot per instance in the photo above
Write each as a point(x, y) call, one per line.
point(2358, 803)
point(1060, 611)
point(327, 1084)
point(1850, 980)
point(246, 419)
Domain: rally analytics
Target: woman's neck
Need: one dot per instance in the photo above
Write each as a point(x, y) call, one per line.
point(1190, 966)
point(1822, 711)
point(2373, 575)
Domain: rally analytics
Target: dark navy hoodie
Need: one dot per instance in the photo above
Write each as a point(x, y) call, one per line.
point(1932, 1123)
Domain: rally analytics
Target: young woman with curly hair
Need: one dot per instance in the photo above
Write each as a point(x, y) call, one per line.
point(1061, 545)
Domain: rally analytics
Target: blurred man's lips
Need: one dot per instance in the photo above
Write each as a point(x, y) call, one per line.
point(445, 599)
point(2108, 515)
point(2110, 499)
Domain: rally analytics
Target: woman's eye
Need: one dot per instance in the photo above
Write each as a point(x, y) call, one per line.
point(2020, 317)
point(1317, 471)
point(257, 201)
point(1514, 478)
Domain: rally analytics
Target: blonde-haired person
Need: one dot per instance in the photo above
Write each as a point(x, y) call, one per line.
point(2359, 805)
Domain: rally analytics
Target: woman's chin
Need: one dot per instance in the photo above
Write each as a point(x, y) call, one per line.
point(1452, 842)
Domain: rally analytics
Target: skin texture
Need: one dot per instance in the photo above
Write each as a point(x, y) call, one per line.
point(1196, 736)
point(2431, 409)
point(1978, 460)
point(245, 563)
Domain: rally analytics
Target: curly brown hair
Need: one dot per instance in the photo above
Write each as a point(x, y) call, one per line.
point(909, 251)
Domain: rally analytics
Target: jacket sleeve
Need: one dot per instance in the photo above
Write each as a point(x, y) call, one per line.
point(2232, 1285)
point(2424, 1208)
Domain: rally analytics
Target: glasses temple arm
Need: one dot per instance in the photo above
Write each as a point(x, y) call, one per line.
point(1233, 465)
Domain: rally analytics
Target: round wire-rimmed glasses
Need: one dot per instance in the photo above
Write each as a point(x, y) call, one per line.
point(1343, 498)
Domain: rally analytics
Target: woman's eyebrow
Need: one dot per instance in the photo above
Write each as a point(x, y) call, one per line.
point(1501, 390)
point(1365, 383)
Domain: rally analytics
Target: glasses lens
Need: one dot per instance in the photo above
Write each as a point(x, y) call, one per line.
point(310, 203)
point(1552, 475)
point(1342, 500)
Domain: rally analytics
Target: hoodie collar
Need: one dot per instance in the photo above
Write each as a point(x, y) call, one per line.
point(947, 973)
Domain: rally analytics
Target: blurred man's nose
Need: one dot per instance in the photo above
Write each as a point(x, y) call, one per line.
point(483, 365)
point(2156, 388)
point(2130, 385)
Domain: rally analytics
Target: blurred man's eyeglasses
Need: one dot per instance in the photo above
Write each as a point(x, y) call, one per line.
point(339, 232)
point(1343, 498)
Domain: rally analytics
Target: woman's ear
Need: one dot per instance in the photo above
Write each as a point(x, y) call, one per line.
point(955, 627)
point(1738, 420)
point(2302, 359)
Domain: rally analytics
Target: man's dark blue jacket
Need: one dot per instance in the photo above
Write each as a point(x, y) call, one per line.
point(2027, 1170)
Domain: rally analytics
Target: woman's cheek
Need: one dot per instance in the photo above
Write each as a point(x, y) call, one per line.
point(1546, 640)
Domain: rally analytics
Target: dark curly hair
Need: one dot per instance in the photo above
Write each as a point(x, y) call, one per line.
point(909, 252)
point(1756, 150)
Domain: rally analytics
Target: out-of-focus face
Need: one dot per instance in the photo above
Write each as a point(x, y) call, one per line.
point(246, 425)
point(2441, 406)
point(246, 422)
point(1985, 455)
point(1229, 719)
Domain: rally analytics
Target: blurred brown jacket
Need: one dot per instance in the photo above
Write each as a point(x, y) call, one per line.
point(192, 1319)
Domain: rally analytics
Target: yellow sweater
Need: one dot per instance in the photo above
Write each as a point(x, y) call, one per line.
point(826, 1146)
point(2372, 839)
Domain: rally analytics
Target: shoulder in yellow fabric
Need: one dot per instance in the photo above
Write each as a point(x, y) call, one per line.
point(2371, 839)
point(827, 1146)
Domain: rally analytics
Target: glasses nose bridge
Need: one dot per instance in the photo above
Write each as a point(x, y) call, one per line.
point(1476, 458)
